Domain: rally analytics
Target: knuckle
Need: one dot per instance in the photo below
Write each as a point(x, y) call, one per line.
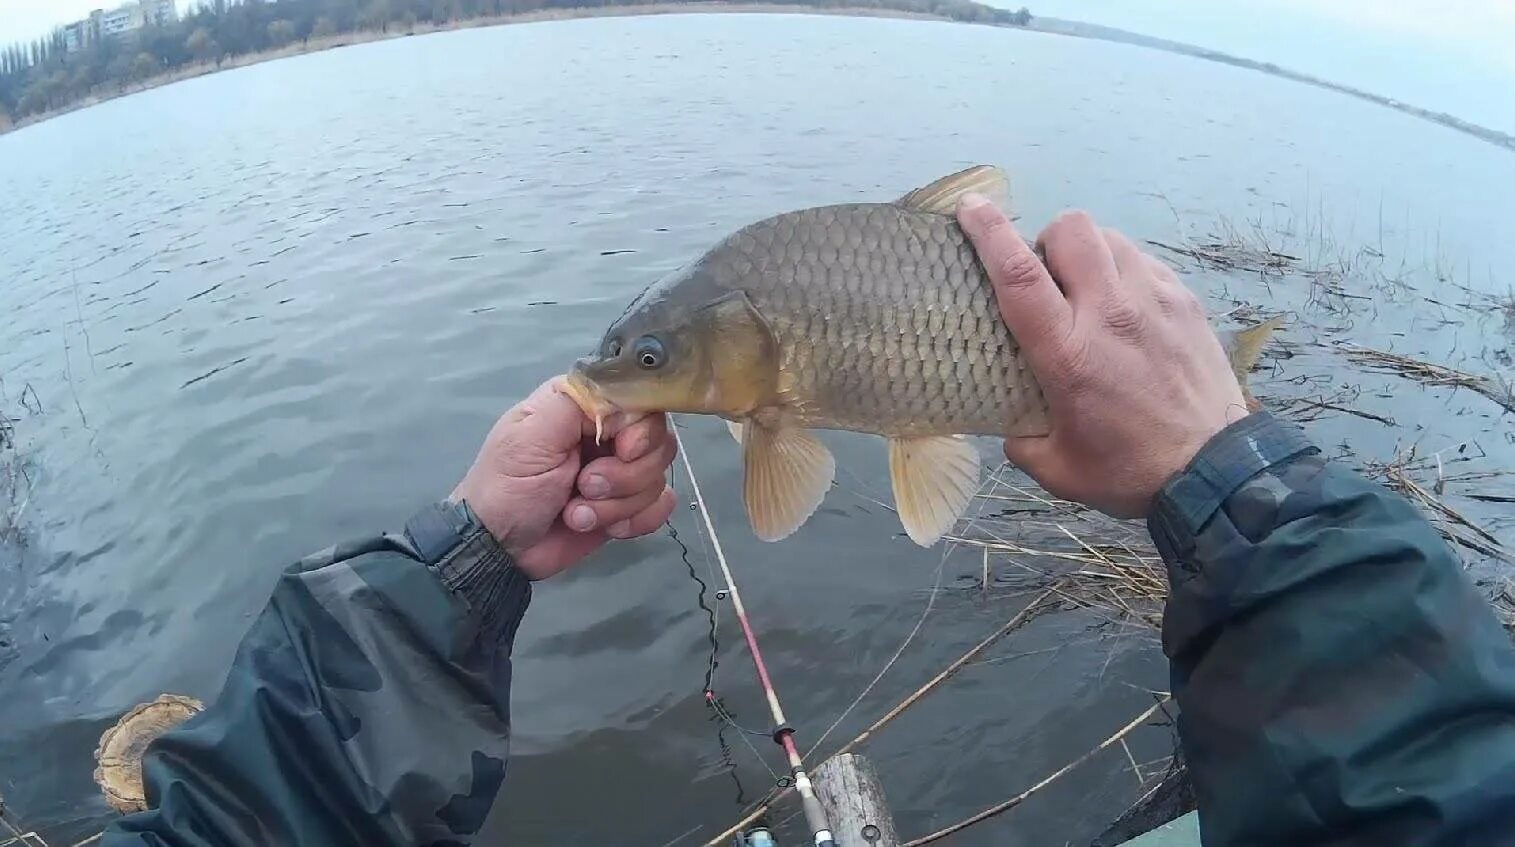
point(1122, 317)
point(1075, 365)
point(1169, 303)
point(1193, 307)
point(1018, 267)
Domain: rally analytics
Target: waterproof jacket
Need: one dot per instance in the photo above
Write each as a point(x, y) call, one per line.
point(1340, 680)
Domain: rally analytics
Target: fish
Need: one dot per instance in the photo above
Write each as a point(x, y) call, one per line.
point(870, 317)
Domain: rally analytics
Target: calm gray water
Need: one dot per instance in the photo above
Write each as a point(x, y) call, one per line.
point(279, 306)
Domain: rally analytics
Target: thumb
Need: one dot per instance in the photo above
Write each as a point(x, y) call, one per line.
point(539, 433)
point(1041, 459)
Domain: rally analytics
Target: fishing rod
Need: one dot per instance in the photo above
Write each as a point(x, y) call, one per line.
point(783, 733)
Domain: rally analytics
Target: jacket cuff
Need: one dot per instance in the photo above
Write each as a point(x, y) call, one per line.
point(453, 542)
point(1232, 456)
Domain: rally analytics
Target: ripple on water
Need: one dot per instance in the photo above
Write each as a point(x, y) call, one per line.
point(290, 322)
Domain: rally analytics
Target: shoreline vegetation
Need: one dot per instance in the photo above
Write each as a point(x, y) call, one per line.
point(199, 53)
point(83, 63)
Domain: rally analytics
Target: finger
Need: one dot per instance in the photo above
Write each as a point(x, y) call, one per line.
point(1029, 302)
point(1130, 261)
point(547, 421)
point(1162, 270)
point(583, 515)
point(647, 520)
point(1079, 258)
point(1039, 457)
point(608, 478)
point(642, 437)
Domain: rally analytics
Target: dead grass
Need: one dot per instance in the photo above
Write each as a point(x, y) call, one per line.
point(1088, 559)
point(1430, 373)
point(1096, 562)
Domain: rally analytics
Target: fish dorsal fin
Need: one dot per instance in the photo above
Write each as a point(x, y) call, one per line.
point(934, 479)
point(788, 471)
point(941, 197)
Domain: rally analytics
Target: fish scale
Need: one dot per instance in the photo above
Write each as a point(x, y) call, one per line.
point(876, 310)
point(868, 317)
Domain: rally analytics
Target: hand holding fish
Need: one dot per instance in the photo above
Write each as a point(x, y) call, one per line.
point(551, 494)
point(1135, 379)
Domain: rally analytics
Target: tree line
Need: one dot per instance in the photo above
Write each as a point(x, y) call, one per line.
point(44, 75)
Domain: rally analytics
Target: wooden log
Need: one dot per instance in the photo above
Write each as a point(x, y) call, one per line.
point(850, 792)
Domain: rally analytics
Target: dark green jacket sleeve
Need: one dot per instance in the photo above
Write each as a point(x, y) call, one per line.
point(368, 705)
point(1340, 680)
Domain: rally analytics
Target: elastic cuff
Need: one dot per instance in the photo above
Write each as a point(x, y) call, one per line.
point(1234, 455)
point(450, 539)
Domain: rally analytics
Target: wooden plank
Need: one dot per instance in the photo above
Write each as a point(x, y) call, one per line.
point(850, 792)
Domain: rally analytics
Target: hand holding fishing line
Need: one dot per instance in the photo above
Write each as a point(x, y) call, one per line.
point(552, 495)
point(1135, 379)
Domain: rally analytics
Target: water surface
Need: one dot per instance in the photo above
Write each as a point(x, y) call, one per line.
point(280, 306)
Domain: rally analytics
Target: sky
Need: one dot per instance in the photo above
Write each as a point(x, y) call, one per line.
point(1448, 55)
point(22, 20)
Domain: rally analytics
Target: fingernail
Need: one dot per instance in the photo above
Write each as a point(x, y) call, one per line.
point(972, 200)
point(595, 487)
point(619, 530)
point(581, 518)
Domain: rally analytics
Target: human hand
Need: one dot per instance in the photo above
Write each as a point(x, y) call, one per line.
point(551, 496)
point(1135, 379)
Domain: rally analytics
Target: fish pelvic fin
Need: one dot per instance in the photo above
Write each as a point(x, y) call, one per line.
point(941, 196)
point(788, 472)
point(735, 428)
point(935, 477)
point(1243, 348)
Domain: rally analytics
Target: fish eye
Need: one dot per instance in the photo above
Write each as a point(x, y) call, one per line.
point(612, 347)
point(649, 352)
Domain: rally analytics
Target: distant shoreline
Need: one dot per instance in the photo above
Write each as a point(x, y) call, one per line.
point(1078, 29)
point(349, 39)
point(1050, 26)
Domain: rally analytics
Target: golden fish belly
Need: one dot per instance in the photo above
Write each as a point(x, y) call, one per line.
point(886, 323)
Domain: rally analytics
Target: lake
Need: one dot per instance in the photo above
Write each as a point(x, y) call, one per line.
point(272, 308)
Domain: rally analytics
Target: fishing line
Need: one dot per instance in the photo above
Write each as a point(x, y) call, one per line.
point(936, 588)
point(714, 661)
point(717, 706)
point(919, 622)
point(783, 733)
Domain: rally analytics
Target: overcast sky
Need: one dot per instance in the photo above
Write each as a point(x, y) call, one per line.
point(27, 19)
point(1451, 55)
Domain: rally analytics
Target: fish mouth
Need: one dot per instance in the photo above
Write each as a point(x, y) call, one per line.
point(589, 398)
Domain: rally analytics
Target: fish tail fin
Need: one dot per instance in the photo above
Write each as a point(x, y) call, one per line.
point(1244, 347)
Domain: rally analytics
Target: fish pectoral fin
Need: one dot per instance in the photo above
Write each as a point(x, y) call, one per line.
point(941, 197)
point(788, 472)
point(735, 428)
point(934, 478)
